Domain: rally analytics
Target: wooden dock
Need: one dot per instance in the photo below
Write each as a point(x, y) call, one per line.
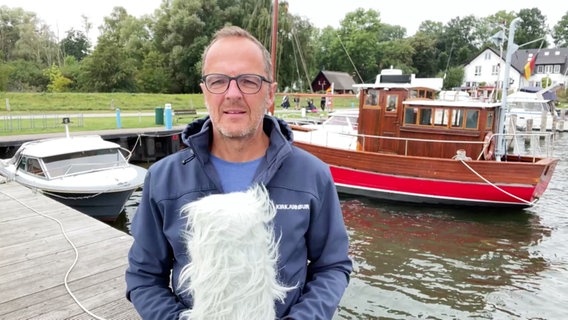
point(35, 258)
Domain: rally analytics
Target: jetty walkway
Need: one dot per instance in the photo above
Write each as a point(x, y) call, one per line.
point(58, 263)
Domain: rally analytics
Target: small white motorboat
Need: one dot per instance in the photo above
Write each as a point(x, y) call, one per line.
point(86, 173)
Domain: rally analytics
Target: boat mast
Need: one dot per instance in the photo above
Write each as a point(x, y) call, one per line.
point(273, 47)
point(511, 48)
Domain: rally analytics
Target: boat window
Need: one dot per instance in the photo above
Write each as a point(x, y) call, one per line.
point(471, 118)
point(421, 93)
point(441, 117)
point(410, 115)
point(77, 162)
point(391, 102)
point(34, 167)
point(490, 117)
point(457, 118)
point(22, 164)
point(372, 97)
point(425, 116)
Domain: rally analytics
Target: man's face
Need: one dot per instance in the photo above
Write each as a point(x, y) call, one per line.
point(235, 114)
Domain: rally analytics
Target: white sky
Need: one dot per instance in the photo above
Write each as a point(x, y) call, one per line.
point(63, 15)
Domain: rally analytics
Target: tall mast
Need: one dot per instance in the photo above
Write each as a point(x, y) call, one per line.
point(511, 48)
point(273, 47)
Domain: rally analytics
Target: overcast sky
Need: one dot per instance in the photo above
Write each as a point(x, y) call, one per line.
point(63, 15)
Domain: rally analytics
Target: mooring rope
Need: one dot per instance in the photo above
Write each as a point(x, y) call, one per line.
point(66, 278)
point(495, 186)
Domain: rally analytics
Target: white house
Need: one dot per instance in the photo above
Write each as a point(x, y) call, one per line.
point(485, 69)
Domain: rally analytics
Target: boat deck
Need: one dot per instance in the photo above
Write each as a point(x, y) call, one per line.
point(35, 257)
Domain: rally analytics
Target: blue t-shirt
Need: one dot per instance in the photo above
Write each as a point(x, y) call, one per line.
point(235, 176)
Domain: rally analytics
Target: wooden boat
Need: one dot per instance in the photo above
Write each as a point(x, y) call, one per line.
point(412, 147)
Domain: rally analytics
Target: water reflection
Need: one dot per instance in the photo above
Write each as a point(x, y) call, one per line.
point(421, 262)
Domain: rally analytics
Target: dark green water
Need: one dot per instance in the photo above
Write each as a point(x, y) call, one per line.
point(439, 263)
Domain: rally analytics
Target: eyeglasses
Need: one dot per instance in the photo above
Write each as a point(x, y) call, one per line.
point(247, 83)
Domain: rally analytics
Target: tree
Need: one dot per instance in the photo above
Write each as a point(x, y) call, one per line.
point(459, 41)
point(560, 32)
point(57, 82)
point(154, 77)
point(71, 69)
point(356, 48)
point(397, 54)
point(425, 54)
point(453, 77)
point(75, 44)
point(108, 69)
point(26, 76)
point(5, 71)
point(532, 30)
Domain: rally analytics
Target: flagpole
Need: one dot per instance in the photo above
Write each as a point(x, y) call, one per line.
point(530, 64)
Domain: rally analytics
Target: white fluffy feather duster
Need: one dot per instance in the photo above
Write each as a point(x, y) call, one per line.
point(233, 253)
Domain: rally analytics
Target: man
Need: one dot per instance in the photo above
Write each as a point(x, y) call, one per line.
point(296, 103)
point(237, 146)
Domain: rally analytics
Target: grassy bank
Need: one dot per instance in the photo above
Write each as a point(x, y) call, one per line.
point(33, 113)
point(96, 102)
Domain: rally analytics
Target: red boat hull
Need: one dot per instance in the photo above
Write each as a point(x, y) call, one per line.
point(420, 190)
point(514, 183)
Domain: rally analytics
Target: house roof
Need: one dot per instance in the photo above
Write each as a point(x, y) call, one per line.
point(340, 80)
point(547, 56)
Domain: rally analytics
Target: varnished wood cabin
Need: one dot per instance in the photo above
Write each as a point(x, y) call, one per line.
point(413, 112)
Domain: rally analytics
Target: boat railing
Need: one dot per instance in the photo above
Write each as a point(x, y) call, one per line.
point(532, 144)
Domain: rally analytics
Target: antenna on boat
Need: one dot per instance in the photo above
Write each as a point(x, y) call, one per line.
point(348, 56)
point(511, 48)
point(66, 122)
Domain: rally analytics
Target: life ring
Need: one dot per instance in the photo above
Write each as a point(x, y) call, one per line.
point(489, 147)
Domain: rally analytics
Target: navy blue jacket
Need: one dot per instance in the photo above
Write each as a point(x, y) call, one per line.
point(313, 249)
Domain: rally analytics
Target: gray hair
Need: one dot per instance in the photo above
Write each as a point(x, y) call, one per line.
point(234, 31)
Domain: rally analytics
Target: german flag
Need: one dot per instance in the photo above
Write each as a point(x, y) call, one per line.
point(529, 67)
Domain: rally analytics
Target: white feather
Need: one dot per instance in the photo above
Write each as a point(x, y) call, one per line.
point(233, 253)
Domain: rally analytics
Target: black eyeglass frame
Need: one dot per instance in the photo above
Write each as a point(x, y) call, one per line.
point(236, 78)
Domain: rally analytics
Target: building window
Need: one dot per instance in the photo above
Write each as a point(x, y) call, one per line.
point(540, 69)
point(495, 70)
point(556, 68)
point(487, 55)
point(477, 71)
point(548, 69)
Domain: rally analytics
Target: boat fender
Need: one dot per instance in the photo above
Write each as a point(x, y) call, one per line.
point(489, 147)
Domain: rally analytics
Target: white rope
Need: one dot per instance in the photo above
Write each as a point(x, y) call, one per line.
point(131, 152)
point(66, 279)
point(495, 186)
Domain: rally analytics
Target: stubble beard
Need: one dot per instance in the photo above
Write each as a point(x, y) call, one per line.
point(246, 132)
